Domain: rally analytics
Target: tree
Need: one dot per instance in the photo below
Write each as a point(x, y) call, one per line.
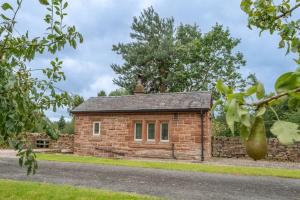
point(23, 96)
point(174, 60)
point(102, 93)
point(39, 126)
point(150, 55)
point(61, 123)
point(76, 101)
point(275, 17)
point(119, 92)
point(69, 127)
point(205, 58)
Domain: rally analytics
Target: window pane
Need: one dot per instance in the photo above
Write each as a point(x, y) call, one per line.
point(151, 131)
point(96, 128)
point(164, 131)
point(138, 131)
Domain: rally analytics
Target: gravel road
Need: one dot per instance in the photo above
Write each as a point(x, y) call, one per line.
point(169, 184)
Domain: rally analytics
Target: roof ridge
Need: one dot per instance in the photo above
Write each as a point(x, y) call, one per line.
point(164, 93)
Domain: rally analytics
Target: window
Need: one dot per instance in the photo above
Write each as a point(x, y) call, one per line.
point(138, 131)
point(164, 131)
point(96, 128)
point(151, 132)
point(42, 143)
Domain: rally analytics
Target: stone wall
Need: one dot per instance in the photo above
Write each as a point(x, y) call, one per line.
point(117, 135)
point(233, 147)
point(63, 144)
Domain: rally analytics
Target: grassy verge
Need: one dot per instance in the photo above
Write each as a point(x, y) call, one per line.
point(19, 190)
point(180, 166)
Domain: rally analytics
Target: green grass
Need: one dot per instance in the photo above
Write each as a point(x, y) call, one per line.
point(180, 166)
point(19, 190)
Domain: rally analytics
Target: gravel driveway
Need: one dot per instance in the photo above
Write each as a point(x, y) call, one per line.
point(169, 184)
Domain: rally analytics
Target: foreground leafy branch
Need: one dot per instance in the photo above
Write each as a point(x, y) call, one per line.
point(24, 95)
point(248, 116)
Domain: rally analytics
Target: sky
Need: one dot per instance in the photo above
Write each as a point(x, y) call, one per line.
point(107, 22)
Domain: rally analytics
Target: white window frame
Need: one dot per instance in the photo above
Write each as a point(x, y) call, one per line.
point(161, 132)
point(135, 139)
point(150, 140)
point(99, 133)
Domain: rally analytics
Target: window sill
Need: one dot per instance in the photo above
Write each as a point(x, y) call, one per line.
point(164, 142)
point(150, 145)
point(150, 142)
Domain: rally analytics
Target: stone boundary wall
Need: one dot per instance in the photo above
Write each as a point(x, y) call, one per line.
point(233, 147)
point(64, 144)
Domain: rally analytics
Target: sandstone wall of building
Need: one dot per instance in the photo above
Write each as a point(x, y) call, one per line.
point(232, 147)
point(117, 135)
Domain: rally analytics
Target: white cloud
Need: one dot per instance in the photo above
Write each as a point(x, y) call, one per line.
point(101, 83)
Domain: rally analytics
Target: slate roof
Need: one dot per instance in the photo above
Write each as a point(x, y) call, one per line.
point(182, 101)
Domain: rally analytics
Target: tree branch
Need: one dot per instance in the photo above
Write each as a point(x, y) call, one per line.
point(24, 46)
point(11, 26)
point(288, 12)
point(267, 100)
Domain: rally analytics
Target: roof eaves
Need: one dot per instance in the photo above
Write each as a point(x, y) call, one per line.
point(140, 110)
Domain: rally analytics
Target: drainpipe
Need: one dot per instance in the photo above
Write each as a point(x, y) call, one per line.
point(202, 135)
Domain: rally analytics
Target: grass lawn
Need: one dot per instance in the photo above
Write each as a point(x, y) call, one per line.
point(19, 190)
point(180, 166)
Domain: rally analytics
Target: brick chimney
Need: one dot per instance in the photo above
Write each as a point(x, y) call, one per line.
point(139, 88)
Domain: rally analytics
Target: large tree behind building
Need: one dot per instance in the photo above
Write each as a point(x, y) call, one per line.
point(178, 59)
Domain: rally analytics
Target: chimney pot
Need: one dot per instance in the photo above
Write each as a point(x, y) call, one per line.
point(139, 88)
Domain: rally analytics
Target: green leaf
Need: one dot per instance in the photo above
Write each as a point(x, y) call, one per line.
point(250, 90)
point(244, 117)
point(224, 89)
point(218, 102)
point(65, 5)
point(261, 111)
point(44, 2)
point(6, 6)
point(245, 5)
point(286, 132)
point(4, 17)
point(260, 90)
point(281, 44)
point(244, 132)
point(231, 114)
point(287, 81)
point(294, 102)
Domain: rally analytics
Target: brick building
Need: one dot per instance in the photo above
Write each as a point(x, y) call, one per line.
point(163, 125)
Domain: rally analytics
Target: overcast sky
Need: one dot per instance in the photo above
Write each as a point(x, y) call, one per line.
point(107, 22)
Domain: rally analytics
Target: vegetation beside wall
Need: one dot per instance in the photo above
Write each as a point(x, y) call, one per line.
point(3, 144)
point(220, 128)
